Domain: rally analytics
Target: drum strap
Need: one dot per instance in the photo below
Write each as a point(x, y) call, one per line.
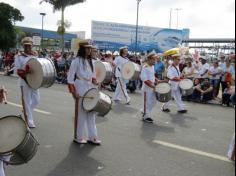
point(122, 88)
point(177, 70)
point(76, 117)
point(23, 105)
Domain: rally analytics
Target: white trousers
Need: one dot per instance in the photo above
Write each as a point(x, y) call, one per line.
point(121, 90)
point(31, 100)
point(176, 94)
point(86, 120)
point(2, 173)
point(149, 102)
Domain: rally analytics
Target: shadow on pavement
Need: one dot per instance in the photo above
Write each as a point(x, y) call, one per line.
point(77, 163)
point(118, 108)
point(149, 132)
point(180, 119)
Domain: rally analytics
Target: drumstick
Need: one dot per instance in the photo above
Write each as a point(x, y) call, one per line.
point(86, 97)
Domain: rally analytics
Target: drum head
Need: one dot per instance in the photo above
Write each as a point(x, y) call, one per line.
point(128, 70)
point(12, 133)
point(100, 71)
point(163, 88)
point(35, 78)
point(186, 84)
point(90, 103)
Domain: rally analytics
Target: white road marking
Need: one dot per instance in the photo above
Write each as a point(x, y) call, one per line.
point(36, 110)
point(193, 151)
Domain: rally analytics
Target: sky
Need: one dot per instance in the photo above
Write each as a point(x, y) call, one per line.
point(204, 18)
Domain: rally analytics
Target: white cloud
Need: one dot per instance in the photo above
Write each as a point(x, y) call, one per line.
point(212, 18)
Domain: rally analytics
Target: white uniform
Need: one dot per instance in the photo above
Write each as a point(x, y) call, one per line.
point(175, 90)
point(30, 97)
point(203, 70)
point(2, 173)
point(148, 74)
point(121, 85)
point(83, 83)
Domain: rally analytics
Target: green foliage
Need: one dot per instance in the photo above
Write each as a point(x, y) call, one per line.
point(62, 4)
point(8, 16)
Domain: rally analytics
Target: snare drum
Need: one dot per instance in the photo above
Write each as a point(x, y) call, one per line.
point(163, 92)
point(186, 87)
point(104, 72)
point(43, 73)
point(16, 140)
point(96, 101)
point(131, 71)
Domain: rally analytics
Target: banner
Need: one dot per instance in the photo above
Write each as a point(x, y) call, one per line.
point(112, 36)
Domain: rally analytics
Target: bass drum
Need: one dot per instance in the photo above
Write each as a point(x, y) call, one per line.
point(131, 71)
point(163, 92)
point(186, 87)
point(17, 141)
point(104, 72)
point(97, 101)
point(43, 73)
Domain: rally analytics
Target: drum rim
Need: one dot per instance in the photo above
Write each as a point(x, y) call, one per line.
point(27, 131)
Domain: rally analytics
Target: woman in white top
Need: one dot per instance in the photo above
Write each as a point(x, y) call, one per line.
point(188, 71)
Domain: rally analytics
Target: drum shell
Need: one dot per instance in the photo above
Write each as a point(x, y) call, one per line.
point(163, 97)
point(109, 73)
point(102, 107)
point(137, 72)
point(163, 92)
point(49, 73)
point(186, 92)
point(25, 151)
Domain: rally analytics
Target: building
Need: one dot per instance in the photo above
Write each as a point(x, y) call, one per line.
point(51, 39)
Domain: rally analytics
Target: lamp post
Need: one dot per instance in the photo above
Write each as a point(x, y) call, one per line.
point(177, 24)
point(170, 21)
point(136, 36)
point(43, 14)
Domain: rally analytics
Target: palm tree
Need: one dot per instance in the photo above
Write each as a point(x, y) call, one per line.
point(61, 5)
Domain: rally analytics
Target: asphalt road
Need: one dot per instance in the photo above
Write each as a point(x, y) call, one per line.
point(194, 144)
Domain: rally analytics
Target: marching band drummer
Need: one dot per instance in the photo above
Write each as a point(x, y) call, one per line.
point(30, 97)
point(149, 84)
point(121, 85)
point(175, 77)
point(83, 70)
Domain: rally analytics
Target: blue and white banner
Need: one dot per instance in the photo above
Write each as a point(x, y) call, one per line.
point(112, 36)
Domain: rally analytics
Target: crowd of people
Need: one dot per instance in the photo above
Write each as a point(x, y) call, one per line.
point(212, 81)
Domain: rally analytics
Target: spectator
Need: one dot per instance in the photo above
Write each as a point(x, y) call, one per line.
point(203, 92)
point(229, 91)
point(62, 63)
point(188, 71)
point(228, 73)
point(215, 73)
point(232, 99)
point(222, 65)
point(159, 67)
point(204, 68)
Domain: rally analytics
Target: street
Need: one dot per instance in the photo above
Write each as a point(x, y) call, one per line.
point(194, 144)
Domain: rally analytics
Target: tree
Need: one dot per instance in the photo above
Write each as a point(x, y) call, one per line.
point(60, 29)
point(8, 16)
point(61, 5)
